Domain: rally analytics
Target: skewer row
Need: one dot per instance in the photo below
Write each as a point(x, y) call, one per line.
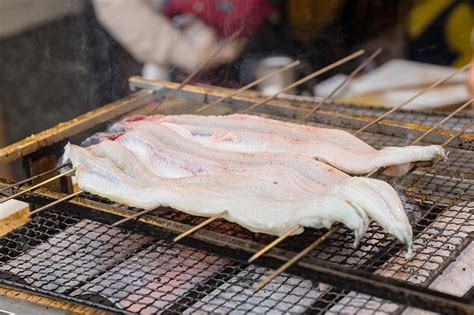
point(376, 172)
point(335, 228)
point(294, 229)
point(307, 78)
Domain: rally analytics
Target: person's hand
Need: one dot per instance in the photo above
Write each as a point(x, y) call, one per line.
point(202, 42)
point(227, 52)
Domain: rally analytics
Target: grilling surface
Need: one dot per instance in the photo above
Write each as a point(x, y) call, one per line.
point(72, 258)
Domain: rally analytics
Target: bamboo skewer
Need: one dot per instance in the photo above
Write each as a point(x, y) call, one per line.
point(305, 251)
point(197, 227)
point(250, 85)
point(58, 201)
point(292, 230)
point(334, 229)
point(301, 81)
point(443, 121)
point(307, 78)
point(457, 134)
point(347, 80)
point(136, 215)
point(33, 177)
point(296, 258)
point(206, 62)
point(37, 185)
point(190, 76)
point(343, 83)
point(274, 243)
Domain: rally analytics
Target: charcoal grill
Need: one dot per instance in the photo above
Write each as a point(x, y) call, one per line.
point(72, 253)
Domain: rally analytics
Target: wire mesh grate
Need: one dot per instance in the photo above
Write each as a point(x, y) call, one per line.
point(426, 118)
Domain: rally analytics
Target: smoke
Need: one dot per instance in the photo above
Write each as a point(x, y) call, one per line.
point(57, 71)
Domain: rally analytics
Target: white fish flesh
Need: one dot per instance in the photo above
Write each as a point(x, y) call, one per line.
point(167, 154)
point(259, 205)
point(246, 133)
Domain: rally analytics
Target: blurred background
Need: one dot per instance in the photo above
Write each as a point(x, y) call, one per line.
point(61, 58)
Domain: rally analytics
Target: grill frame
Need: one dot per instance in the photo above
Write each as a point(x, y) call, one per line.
point(309, 268)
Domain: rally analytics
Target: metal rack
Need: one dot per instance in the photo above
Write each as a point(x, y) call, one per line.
point(71, 251)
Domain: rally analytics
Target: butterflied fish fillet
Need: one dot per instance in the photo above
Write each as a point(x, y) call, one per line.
point(168, 154)
point(246, 133)
point(259, 205)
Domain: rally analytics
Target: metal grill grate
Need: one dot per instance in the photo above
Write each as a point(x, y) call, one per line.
point(123, 271)
point(426, 118)
point(114, 269)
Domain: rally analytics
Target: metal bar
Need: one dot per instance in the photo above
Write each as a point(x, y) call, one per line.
point(49, 205)
point(197, 227)
point(250, 85)
point(430, 87)
point(442, 121)
point(33, 177)
point(343, 83)
point(307, 78)
point(274, 243)
point(74, 126)
point(37, 185)
point(296, 258)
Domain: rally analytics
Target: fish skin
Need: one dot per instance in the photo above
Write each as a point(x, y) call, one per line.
point(148, 141)
point(335, 147)
point(266, 207)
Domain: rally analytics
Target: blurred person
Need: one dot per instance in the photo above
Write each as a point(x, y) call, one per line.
point(435, 32)
point(470, 79)
point(440, 32)
point(181, 33)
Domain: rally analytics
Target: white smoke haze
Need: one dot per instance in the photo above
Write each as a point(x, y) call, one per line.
point(57, 63)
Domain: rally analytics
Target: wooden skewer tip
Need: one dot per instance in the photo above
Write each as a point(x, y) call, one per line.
point(274, 243)
point(197, 227)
